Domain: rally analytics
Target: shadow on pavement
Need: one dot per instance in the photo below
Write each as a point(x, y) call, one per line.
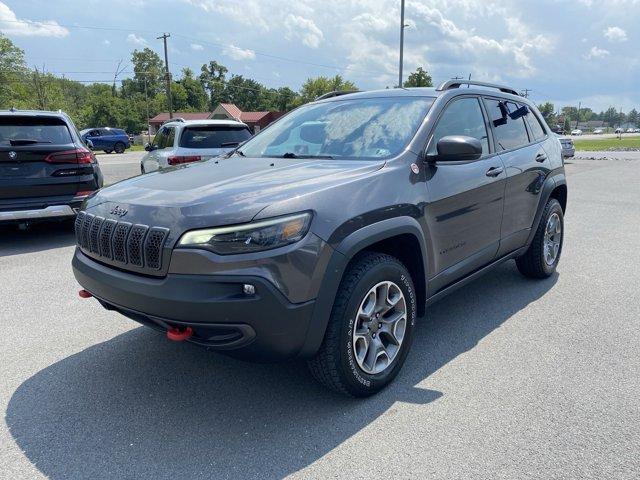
point(137, 406)
point(36, 238)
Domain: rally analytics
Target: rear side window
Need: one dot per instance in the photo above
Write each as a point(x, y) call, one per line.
point(171, 135)
point(213, 136)
point(160, 140)
point(537, 130)
point(462, 117)
point(508, 124)
point(18, 130)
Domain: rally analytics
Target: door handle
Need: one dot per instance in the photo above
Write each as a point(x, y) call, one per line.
point(541, 157)
point(494, 171)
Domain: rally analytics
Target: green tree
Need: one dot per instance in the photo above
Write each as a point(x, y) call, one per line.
point(212, 78)
point(12, 72)
point(610, 116)
point(314, 87)
point(567, 125)
point(633, 117)
point(244, 92)
point(196, 94)
point(547, 110)
point(419, 78)
point(148, 65)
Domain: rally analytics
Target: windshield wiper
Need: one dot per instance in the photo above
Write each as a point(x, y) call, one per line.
point(229, 144)
point(295, 155)
point(26, 141)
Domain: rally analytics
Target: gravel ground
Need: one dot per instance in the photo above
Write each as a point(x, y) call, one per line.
point(507, 378)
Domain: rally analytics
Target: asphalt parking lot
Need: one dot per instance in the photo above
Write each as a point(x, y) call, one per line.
point(507, 378)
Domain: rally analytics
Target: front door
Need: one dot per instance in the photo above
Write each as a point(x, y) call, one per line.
point(465, 198)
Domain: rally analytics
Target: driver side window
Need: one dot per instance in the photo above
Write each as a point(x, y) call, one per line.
point(461, 117)
point(160, 139)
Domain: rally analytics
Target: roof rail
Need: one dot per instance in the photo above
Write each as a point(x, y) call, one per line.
point(176, 119)
point(335, 93)
point(451, 84)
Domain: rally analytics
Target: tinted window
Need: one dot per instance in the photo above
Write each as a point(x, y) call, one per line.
point(535, 126)
point(213, 136)
point(32, 130)
point(510, 132)
point(358, 128)
point(461, 117)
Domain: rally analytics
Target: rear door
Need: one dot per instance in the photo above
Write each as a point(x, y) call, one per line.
point(36, 155)
point(526, 166)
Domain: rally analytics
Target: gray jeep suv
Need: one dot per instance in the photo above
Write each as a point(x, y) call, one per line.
point(327, 235)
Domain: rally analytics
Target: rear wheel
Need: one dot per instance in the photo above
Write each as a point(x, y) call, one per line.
point(119, 147)
point(543, 255)
point(370, 329)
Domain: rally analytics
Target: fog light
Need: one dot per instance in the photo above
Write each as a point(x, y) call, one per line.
point(248, 289)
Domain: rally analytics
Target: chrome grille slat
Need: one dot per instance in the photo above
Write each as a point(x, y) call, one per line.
point(138, 246)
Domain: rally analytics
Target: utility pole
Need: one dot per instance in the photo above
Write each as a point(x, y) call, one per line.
point(164, 37)
point(578, 119)
point(146, 100)
point(525, 92)
point(402, 25)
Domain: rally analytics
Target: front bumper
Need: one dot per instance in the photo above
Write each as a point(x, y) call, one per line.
point(264, 326)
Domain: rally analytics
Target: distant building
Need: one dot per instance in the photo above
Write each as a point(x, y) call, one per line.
point(255, 120)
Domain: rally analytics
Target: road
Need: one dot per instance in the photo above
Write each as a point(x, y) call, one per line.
point(590, 136)
point(116, 167)
point(507, 378)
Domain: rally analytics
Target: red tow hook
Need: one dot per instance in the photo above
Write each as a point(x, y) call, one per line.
point(179, 335)
point(84, 294)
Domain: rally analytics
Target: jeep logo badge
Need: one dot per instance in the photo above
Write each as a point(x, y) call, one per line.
point(120, 212)
point(13, 155)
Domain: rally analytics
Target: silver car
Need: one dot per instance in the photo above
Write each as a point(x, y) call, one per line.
point(568, 148)
point(184, 141)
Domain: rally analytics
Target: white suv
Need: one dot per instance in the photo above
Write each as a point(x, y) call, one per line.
point(184, 141)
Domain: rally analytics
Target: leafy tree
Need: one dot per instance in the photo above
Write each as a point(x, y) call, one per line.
point(244, 92)
point(12, 71)
point(633, 117)
point(212, 78)
point(196, 94)
point(314, 87)
point(610, 116)
point(419, 78)
point(148, 65)
point(547, 110)
point(567, 125)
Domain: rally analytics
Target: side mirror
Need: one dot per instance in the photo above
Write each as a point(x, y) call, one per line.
point(148, 147)
point(457, 148)
point(89, 143)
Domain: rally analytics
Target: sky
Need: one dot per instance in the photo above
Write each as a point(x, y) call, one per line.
point(564, 51)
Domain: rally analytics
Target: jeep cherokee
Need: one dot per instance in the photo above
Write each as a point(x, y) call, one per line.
point(327, 235)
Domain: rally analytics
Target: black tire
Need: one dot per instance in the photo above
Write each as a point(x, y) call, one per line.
point(108, 151)
point(533, 264)
point(119, 147)
point(142, 169)
point(335, 365)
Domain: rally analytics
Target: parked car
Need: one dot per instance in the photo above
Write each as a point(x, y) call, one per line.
point(568, 148)
point(107, 139)
point(598, 131)
point(46, 171)
point(329, 243)
point(185, 141)
point(619, 130)
point(637, 130)
point(576, 132)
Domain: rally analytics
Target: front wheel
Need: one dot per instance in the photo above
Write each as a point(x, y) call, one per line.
point(543, 255)
point(370, 329)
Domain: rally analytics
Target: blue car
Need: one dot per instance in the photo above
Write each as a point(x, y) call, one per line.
point(107, 139)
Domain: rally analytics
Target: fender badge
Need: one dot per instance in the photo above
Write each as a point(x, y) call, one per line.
point(13, 155)
point(415, 169)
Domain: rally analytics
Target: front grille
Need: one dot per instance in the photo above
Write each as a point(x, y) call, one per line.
point(136, 245)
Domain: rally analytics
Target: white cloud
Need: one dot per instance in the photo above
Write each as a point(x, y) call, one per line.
point(615, 34)
point(304, 29)
point(596, 52)
point(238, 53)
point(106, 42)
point(136, 40)
point(197, 47)
point(11, 25)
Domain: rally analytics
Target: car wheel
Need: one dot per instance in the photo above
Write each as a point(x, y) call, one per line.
point(142, 169)
point(370, 329)
point(119, 147)
point(543, 255)
point(108, 151)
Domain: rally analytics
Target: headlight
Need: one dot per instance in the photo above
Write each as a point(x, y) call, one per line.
point(250, 237)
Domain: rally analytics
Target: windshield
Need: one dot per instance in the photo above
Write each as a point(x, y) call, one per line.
point(213, 136)
point(367, 128)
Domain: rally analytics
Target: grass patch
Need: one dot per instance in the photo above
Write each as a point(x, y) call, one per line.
point(606, 144)
point(136, 148)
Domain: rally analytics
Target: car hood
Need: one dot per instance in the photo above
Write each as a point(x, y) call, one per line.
point(221, 191)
